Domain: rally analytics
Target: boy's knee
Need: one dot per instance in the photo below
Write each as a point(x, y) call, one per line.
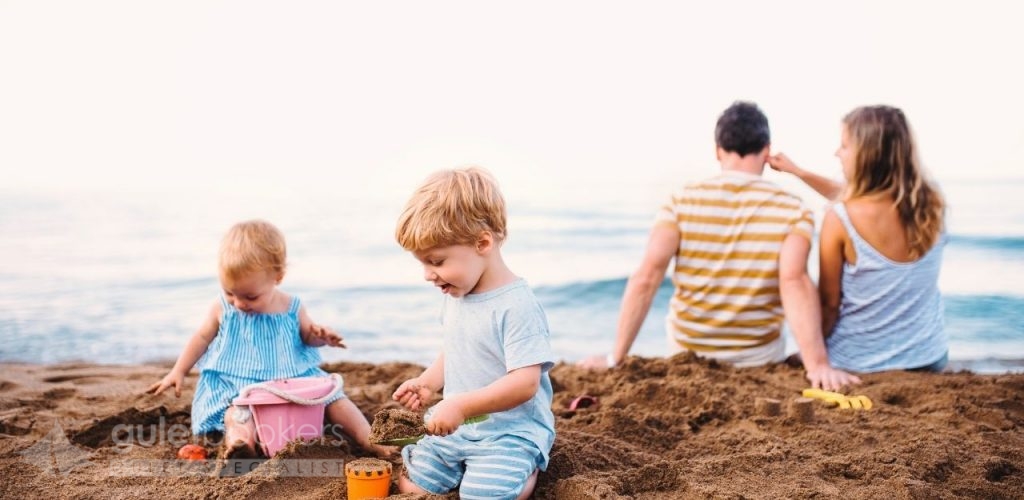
point(405, 485)
point(503, 492)
point(531, 482)
point(493, 486)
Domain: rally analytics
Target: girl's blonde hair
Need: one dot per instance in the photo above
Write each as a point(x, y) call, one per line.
point(452, 207)
point(886, 161)
point(253, 245)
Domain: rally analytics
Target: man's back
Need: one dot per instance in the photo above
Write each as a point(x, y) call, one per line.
point(731, 228)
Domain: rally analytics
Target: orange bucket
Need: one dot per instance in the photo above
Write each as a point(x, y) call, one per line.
point(368, 478)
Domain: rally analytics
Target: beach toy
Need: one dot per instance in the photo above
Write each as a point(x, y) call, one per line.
point(390, 422)
point(402, 441)
point(802, 409)
point(768, 407)
point(192, 452)
point(841, 400)
point(287, 409)
point(584, 401)
point(367, 478)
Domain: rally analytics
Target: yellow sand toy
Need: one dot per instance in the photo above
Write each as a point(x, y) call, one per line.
point(842, 400)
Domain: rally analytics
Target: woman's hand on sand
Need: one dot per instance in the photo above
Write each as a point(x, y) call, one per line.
point(413, 394)
point(831, 379)
point(175, 379)
point(320, 335)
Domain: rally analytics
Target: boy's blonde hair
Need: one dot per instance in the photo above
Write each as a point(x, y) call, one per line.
point(249, 246)
point(452, 207)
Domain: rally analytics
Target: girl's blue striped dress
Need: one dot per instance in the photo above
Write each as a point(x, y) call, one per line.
point(249, 348)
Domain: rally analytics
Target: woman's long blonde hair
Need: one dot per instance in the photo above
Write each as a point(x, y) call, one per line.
point(886, 161)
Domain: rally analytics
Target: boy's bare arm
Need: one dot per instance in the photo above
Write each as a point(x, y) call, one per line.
point(509, 391)
point(433, 376)
point(417, 392)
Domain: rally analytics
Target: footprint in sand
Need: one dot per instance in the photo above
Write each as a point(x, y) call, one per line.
point(76, 379)
point(133, 424)
point(60, 393)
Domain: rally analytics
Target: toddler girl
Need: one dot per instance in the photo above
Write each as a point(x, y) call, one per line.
point(253, 333)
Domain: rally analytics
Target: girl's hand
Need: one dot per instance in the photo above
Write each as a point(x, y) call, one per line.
point(171, 379)
point(320, 335)
point(445, 418)
point(412, 394)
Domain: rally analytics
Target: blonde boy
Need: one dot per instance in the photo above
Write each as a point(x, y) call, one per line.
point(496, 352)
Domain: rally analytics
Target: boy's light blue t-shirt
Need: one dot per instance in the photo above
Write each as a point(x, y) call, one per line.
point(488, 334)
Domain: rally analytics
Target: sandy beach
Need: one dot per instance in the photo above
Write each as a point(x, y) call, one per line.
point(675, 427)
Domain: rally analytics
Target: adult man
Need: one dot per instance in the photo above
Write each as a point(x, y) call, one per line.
point(740, 245)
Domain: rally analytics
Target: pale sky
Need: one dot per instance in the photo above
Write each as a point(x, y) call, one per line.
point(369, 97)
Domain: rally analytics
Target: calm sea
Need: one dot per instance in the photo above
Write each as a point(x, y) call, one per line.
point(125, 278)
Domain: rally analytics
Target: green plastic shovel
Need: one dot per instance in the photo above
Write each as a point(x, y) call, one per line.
point(402, 441)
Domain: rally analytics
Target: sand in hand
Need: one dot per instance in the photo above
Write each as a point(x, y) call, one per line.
point(396, 424)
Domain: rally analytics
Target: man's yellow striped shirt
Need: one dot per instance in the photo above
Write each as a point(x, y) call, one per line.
point(731, 228)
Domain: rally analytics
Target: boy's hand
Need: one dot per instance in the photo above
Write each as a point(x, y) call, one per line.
point(171, 379)
point(445, 418)
point(320, 335)
point(412, 394)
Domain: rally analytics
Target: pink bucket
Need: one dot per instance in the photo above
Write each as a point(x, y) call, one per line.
point(279, 420)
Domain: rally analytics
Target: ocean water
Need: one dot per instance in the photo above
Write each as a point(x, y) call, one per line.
point(126, 277)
